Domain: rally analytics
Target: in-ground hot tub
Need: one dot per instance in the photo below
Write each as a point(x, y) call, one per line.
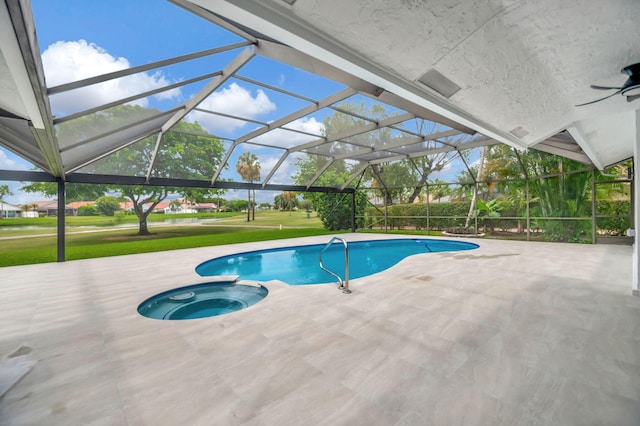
point(203, 300)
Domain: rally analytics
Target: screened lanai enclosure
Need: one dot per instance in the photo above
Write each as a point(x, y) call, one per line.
point(504, 193)
point(367, 157)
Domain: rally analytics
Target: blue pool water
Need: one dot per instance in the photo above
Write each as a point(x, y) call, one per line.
point(299, 265)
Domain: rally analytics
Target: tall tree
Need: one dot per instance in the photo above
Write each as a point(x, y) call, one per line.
point(334, 209)
point(248, 167)
point(180, 154)
point(402, 180)
point(286, 201)
point(565, 195)
point(439, 189)
point(4, 191)
point(480, 177)
point(433, 163)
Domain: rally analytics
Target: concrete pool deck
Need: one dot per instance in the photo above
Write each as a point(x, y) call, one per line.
point(511, 333)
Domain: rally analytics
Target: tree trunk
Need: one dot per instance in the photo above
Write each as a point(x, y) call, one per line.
point(388, 197)
point(143, 229)
point(475, 189)
point(138, 207)
point(418, 188)
point(253, 206)
point(471, 208)
point(248, 205)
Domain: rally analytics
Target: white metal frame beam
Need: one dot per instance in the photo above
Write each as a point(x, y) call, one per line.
point(356, 131)
point(142, 68)
point(134, 97)
point(275, 20)
point(20, 49)
point(329, 100)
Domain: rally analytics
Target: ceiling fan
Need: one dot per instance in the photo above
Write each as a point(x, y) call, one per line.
point(630, 88)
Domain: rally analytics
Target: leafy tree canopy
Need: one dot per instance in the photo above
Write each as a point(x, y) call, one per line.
point(180, 154)
point(73, 191)
point(107, 205)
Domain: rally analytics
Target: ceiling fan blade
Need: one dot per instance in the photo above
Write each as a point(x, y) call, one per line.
point(601, 99)
point(632, 98)
point(605, 87)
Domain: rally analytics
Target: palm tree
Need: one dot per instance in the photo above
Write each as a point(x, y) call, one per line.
point(248, 167)
point(286, 201)
point(4, 190)
point(175, 205)
point(440, 189)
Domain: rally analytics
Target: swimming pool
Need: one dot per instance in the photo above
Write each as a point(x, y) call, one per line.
point(298, 265)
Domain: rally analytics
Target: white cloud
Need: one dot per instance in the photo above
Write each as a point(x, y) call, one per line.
point(310, 125)
point(5, 162)
point(285, 139)
point(233, 100)
point(475, 164)
point(8, 163)
point(286, 171)
point(266, 166)
point(66, 61)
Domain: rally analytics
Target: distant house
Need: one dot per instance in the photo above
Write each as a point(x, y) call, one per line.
point(9, 210)
point(170, 207)
point(173, 207)
point(30, 212)
point(50, 208)
point(75, 205)
point(205, 207)
point(126, 205)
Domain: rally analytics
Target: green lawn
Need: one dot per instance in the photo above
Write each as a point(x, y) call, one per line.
point(113, 242)
point(276, 218)
point(71, 221)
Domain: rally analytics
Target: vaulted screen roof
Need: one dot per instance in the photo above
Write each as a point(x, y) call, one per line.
point(59, 124)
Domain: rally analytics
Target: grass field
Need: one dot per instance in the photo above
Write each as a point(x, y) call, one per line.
point(86, 238)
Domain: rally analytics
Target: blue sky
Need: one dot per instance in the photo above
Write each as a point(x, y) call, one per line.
point(79, 39)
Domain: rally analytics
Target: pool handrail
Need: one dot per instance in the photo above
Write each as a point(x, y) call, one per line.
point(342, 285)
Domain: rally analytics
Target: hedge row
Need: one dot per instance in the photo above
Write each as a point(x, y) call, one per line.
point(613, 217)
point(441, 215)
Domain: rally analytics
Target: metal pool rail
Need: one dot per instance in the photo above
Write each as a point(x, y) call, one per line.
point(342, 285)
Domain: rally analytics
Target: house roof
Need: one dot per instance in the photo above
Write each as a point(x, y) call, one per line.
point(48, 204)
point(9, 207)
point(78, 204)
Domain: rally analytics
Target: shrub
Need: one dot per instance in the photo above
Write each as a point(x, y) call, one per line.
point(107, 205)
point(614, 217)
point(441, 215)
point(87, 211)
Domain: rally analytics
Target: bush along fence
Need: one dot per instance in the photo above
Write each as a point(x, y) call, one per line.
point(612, 219)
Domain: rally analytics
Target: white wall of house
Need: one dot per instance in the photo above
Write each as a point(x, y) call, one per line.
point(179, 210)
point(9, 210)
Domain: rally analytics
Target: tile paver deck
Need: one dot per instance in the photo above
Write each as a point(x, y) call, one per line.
point(511, 333)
